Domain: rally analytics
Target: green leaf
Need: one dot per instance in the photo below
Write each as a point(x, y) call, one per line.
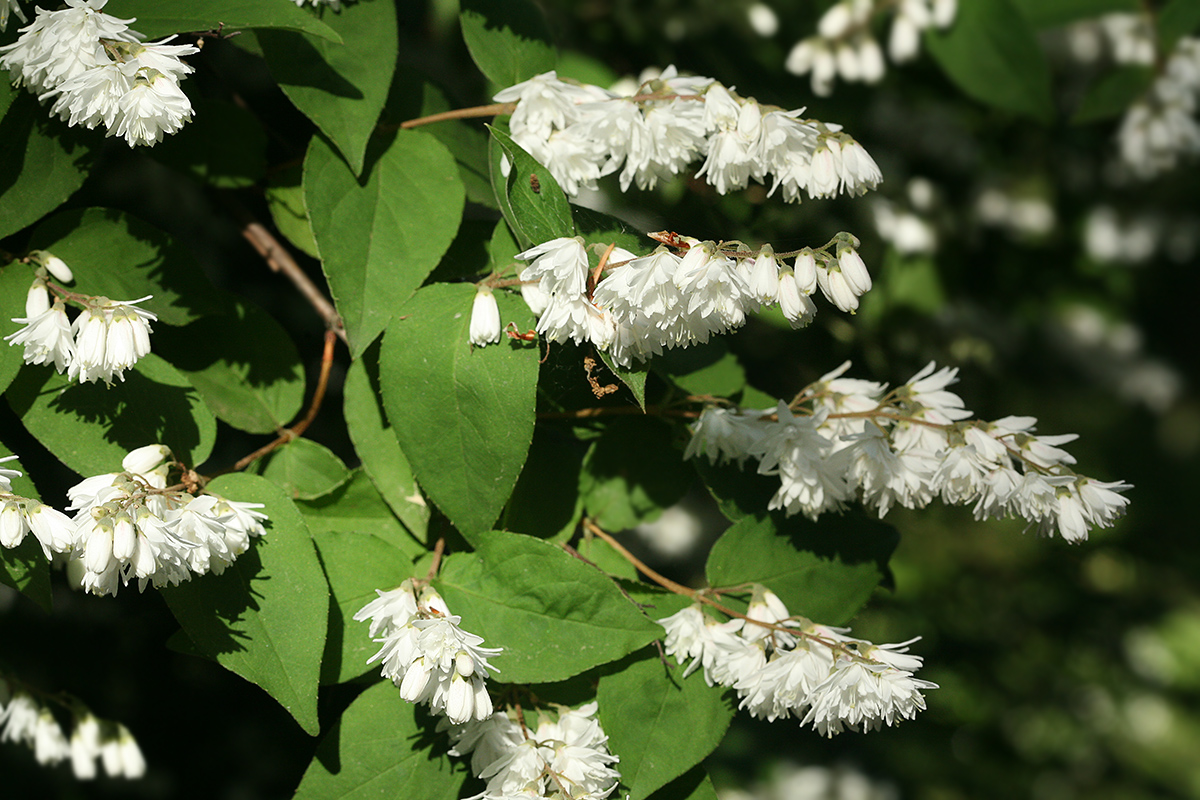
point(632, 473)
point(376, 444)
point(157, 18)
point(464, 415)
point(91, 427)
point(507, 39)
point(554, 615)
point(546, 501)
point(828, 579)
point(605, 556)
point(15, 280)
point(244, 365)
point(356, 564)
point(121, 257)
point(381, 748)
point(467, 143)
point(1177, 19)
point(42, 163)
point(535, 215)
point(285, 200)
point(1113, 93)
point(992, 54)
point(379, 239)
point(596, 226)
point(26, 569)
point(1050, 13)
point(334, 85)
point(644, 706)
point(634, 377)
point(691, 785)
point(264, 618)
point(356, 506)
point(703, 370)
point(305, 469)
point(224, 146)
point(8, 95)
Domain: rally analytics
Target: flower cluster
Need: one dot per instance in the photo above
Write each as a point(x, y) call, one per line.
point(844, 45)
point(1161, 126)
point(844, 438)
point(131, 524)
point(93, 67)
point(565, 758)
point(107, 338)
point(582, 132)
point(666, 300)
point(427, 655)
point(24, 721)
point(782, 667)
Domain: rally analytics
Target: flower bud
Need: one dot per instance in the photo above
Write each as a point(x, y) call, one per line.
point(37, 299)
point(54, 265)
point(485, 318)
point(146, 458)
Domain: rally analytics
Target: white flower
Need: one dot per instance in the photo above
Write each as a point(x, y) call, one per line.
point(560, 265)
point(812, 475)
point(724, 434)
point(427, 655)
point(59, 45)
point(154, 105)
point(52, 528)
point(796, 305)
point(121, 755)
point(110, 337)
point(47, 338)
point(485, 318)
point(10, 7)
point(85, 747)
point(50, 745)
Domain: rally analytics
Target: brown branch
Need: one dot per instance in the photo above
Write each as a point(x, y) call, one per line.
point(493, 110)
point(280, 260)
point(438, 549)
point(287, 434)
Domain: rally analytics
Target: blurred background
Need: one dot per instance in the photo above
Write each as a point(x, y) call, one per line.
point(1058, 276)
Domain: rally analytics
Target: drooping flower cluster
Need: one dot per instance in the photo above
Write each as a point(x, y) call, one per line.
point(106, 338)
point(845, 47)
point(427, 655)
point(25, 721)
point(666, 300)
point(95, 70)
point(582, 132)
point(130, 525)
point(845, 438)
point(565, 758)
point(797, 668)
point(1161, 127)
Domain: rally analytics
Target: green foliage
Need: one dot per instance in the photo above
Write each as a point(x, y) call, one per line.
point(644, 705)
point(380, 748)
point(535, 215)
point(224, 146)
point(357, 506)
point(330, 82)
point(1113, 93)
point(15, 280)
point(305, 470)
point(463, 416)
point(1048, 13)
point(508, 39)
point(631, 473)
point(251, 618)
point(991, 53)
point(554, 615)
point(90, 427)
point(156, 18)
point(379, 238)
point(41, 164)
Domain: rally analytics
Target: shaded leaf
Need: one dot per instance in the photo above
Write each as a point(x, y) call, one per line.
point(631, 473)
point(264, 618)
point(1113, 93)
point(536, 216)
point(554, 615)
point(380, 238)
point(157, 18)
point(357, 506)
point(507, 39)
point(224, 146)
point(305, 469)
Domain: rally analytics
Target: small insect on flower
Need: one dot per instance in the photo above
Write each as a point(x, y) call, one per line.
point(535, 184)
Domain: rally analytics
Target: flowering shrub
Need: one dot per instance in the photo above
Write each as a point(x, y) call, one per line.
point(525, 380)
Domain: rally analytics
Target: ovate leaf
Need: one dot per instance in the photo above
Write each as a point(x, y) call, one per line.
point(554, 616)
point(507, 39)
point(305, 469)
point(42, 163)
point(123, 258)
point(1113, 93)
point(15, 280)
point(333, 84)
point(381, 749)
point(91, 427)
point(376, 444)
point(379, 238)
point(632, 473)
point(243, 364)
point(464, 415)
point(824, 571)
point(356, 564)
point(530, 199)
point(264, 618)
point(157, 18)
point(643, 707)
point(992, 54)
point(357, 506)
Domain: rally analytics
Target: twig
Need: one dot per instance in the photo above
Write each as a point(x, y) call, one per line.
point(280, 260)
point(493, 110)
point(438, 549)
